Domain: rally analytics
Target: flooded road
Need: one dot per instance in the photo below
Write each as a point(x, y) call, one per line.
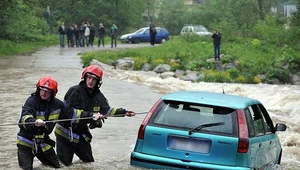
point(132, 90)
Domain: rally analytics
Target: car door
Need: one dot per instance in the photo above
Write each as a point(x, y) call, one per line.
point(159, 35)
point(145, 36)
point(274, 143)
point(258, 139)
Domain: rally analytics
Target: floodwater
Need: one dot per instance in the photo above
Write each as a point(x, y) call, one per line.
point(132, 90)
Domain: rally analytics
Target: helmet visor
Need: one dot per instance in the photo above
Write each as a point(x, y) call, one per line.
point(45, 89)
point(92, 75)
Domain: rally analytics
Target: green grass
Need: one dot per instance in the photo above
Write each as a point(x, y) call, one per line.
point(251, 57)
point(8, 48)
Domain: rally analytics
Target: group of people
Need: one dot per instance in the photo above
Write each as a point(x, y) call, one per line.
point(84, 107)
point(84, 35)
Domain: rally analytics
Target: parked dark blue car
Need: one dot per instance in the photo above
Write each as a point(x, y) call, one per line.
point(143, 35)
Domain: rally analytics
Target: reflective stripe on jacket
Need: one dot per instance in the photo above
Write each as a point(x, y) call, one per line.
point(31, 144)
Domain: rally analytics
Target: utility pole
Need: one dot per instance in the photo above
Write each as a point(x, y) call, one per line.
point(48, 18)
point(148, 6)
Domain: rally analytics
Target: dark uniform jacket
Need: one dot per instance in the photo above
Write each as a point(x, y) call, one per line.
point(36, 108)
point(81, 97)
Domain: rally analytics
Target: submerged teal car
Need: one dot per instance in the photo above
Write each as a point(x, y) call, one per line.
point(206, 130)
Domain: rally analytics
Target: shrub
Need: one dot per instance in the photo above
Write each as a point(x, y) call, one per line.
point(216, 76)
point(87, 58)
point(156, 62)
point(233, 72)
point(256, 80)
point(256, 43)
point(139, 62)
point(241, 79)
point(277, 73)
point(174, 65)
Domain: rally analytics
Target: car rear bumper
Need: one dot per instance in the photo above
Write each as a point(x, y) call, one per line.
point(155, 162)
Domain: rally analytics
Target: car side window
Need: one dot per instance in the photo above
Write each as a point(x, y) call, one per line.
point(147, 32)
point(158, 31)
point(257, 120)
point(249, 118)
point(266, 119)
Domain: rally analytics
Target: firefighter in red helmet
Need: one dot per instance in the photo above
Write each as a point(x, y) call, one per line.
point(33, 138)
point(87, 96)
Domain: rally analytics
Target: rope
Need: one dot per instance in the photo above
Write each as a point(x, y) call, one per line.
point(65, 120)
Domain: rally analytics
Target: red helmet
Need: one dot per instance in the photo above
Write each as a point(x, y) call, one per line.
point(49, 83)
point(94, 70)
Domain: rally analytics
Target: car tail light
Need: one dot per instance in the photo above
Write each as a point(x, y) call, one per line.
point(243, 145)
point(146, 120)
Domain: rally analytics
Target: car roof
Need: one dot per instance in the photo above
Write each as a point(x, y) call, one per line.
point(211, 98)
point(155, 27)
point(194, 26)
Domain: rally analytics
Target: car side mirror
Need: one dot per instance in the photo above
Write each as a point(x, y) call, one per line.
point(280, 127)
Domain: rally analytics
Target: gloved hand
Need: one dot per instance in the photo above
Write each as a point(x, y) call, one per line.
point(130, 113)
point(39, 122)
point(97, 116)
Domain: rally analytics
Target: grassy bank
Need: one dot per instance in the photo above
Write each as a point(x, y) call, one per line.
point(8, 48)
point(251, 58)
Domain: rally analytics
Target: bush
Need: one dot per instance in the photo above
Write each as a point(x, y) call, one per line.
point(233, 72)
point(87, 58)
point(216, 76)
point(256, 80)
point(139, 62)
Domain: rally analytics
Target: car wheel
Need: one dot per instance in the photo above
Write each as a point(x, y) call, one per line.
point(163, 40)
point(136, 41)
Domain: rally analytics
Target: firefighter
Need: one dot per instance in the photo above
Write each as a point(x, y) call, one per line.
point(37, 121)
point(87, 96)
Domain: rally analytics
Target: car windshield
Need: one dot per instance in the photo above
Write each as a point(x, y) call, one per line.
point(196, 117)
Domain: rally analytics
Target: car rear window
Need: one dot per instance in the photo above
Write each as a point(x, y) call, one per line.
point(182, 115)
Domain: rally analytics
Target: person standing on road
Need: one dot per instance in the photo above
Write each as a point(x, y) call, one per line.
point(70, 36)
point(37, 121)
point(62, 33)
point(86, 34)
point(92, 35)
point(152, 34)
point(81, 35)
point(217, 44)
point(77, 35)
point(87, 96)
point(101, 33)
point(113, 34)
